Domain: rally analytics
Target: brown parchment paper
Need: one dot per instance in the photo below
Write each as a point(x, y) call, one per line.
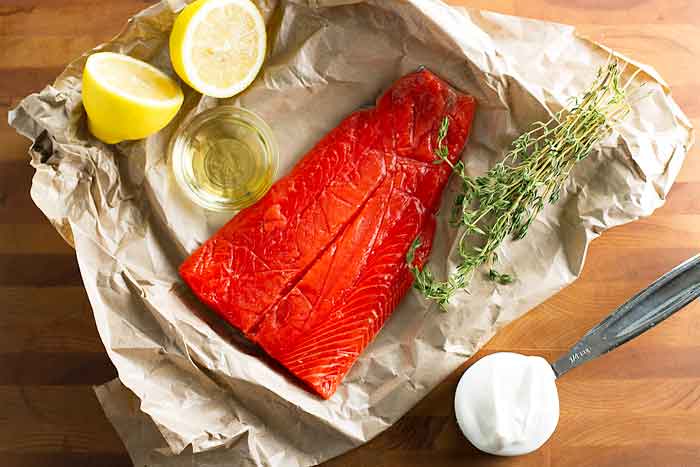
point(190, 390)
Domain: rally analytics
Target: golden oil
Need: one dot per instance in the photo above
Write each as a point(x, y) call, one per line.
point(225, 158)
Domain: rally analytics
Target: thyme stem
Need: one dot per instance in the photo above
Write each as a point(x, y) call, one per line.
point(506, 200)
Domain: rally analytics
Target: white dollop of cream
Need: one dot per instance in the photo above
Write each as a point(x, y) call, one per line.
point(507, 404)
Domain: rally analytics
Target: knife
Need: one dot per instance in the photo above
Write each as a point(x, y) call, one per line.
point(668, 294)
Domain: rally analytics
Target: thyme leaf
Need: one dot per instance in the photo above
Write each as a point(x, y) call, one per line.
point(507, 199)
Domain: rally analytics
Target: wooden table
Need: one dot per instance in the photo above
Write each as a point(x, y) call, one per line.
point(639, 406)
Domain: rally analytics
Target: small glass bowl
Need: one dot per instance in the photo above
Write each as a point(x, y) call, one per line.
point(224, 159)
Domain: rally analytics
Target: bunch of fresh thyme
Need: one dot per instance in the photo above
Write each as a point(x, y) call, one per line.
point(506, 200)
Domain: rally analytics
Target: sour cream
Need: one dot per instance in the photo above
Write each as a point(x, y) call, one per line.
point(507, 404)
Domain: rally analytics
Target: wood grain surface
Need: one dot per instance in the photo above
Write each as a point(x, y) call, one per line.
point(639, 406)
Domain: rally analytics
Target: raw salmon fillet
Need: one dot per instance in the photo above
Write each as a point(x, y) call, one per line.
point(312, 271)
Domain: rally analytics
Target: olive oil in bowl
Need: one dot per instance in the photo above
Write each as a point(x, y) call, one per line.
point(224, 159)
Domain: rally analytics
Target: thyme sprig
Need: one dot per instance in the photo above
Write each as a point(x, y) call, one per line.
point(506, 200)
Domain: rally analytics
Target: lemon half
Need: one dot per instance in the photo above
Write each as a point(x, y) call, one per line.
point(218, 46)
point(127, 99)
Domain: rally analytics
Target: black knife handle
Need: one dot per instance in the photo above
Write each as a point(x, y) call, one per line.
point(668, 294)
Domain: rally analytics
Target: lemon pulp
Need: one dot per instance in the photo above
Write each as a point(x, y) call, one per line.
point(135, 80)
point(218, 46)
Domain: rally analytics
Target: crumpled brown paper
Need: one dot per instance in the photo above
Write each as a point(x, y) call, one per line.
point(188, 382)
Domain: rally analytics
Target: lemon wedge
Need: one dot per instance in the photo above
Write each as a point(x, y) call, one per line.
point(126, 98)
point(218, 46)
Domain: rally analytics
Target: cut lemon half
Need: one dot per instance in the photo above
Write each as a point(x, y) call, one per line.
point(127, 99)
point(218, 46)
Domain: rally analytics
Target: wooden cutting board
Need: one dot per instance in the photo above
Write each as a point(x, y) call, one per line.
point(639, 406)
